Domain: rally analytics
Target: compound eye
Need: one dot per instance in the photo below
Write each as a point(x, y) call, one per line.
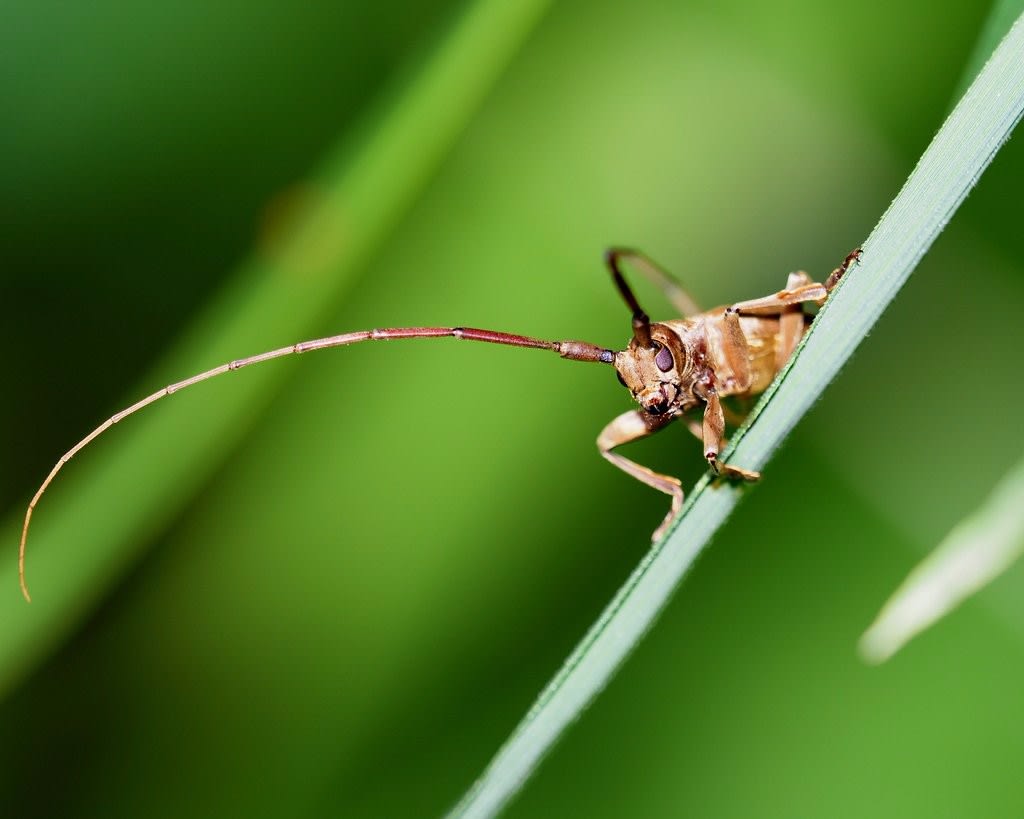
point(663, 359)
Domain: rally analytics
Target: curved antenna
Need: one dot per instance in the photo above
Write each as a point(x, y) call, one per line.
point(641, 321)
point(572, 350)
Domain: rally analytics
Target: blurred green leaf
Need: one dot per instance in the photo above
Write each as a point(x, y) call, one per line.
point(84, 538)
point(979, 125)
point(977, 551)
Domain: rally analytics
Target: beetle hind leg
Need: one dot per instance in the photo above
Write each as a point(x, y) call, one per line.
point(799, 290)
point(793, 321)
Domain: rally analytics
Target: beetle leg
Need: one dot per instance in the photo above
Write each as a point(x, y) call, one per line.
point(714, 428)
point(775, 304)
point(792, 322)
point(670, 286)
point(804, 290)
point(736, 351)
point(632, 426)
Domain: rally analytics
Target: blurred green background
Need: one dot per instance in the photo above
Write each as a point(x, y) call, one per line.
point(363, 594)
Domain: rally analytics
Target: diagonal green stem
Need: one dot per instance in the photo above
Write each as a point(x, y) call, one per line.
point(975, 130)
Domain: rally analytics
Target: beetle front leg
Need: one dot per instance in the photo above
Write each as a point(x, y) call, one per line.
point(714, 429)
point(632, 426)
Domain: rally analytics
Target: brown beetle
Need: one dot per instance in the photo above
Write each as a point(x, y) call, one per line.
point(671, 368)
point(674, 367)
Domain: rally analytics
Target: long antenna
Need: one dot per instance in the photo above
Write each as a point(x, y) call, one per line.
point(641, 321)
point(572, 350)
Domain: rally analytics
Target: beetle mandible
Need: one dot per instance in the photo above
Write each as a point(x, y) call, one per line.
point(672, 368)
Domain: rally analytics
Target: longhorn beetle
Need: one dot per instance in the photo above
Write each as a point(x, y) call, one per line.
point(671, 368)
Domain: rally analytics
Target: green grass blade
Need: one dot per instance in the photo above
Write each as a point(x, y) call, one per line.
point(979, 549)
point(949, 168)
point(96, 517)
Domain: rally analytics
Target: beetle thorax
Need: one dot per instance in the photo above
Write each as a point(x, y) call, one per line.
point(659, 377)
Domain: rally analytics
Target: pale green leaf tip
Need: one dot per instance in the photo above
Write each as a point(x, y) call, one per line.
point(975, 552)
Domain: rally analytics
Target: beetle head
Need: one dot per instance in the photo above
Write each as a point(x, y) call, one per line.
point(653, 373)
